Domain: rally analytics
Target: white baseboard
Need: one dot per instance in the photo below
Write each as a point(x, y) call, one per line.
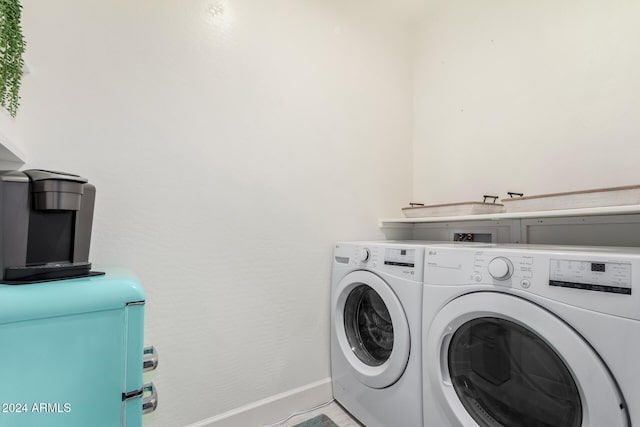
point(274, 408)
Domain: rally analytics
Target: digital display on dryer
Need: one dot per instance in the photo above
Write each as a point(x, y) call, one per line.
point(400, 257)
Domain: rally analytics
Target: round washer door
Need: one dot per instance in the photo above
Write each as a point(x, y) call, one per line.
point(495, 359)
point(371, 329)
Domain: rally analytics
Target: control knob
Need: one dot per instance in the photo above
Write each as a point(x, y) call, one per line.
point(363, 255)
point(500, 268)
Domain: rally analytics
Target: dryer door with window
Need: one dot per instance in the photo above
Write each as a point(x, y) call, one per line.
point(371, 328)
point(495, 359)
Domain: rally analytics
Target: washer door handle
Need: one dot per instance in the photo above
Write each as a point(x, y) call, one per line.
point(444, 359)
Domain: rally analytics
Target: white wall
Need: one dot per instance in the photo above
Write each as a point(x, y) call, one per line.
point(535, 97)
point(231, 143)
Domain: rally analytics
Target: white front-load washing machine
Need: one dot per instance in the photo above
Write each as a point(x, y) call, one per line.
point(517, 335)
point(376, 311)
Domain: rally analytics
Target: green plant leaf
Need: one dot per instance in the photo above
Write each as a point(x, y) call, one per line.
point(12, 46)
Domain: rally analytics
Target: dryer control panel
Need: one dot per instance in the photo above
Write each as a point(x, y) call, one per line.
point(397, 259)
point(401, 257)
point(614, 277)
point(488, 266)
point(594, 278)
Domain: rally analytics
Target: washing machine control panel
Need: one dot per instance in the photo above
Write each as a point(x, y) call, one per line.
point(394, 259)
point(363, 255)
point(613, 277)
point(592, 278)
point(463, 267)
point(401, 257)
point(502, 270)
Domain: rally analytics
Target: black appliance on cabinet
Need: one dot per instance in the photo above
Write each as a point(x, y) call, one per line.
point(45, 225)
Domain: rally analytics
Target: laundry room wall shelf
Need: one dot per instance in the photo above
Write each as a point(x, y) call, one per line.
point(11, 157)
point(610, 225)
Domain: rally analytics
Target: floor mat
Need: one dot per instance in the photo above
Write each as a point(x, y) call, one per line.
point(318, 421)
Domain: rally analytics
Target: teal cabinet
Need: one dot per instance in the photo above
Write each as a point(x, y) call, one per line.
point(71, 352)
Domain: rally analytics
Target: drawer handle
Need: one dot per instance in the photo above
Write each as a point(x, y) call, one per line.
point(150, 402)
point(150, 359)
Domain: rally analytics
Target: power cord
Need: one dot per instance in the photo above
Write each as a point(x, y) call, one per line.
point(295, 414)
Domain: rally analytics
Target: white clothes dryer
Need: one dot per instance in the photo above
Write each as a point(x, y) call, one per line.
point(376, 310)
point(523, 335)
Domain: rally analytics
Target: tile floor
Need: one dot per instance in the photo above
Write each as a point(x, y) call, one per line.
point(332, 410)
